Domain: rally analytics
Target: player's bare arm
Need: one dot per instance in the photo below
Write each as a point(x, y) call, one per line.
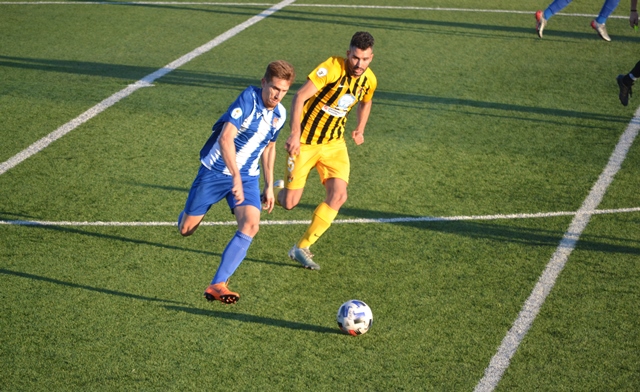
point(362, 114)
point(308, 90)
point(633, 15)
point(268, 162)
point(228, 150)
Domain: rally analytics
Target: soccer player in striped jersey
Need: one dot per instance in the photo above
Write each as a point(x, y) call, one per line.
point(243, 137)
point(318, 116)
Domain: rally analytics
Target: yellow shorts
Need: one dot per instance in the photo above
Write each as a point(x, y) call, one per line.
point(330, 159)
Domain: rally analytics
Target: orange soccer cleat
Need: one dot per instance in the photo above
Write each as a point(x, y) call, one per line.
point(220, 292)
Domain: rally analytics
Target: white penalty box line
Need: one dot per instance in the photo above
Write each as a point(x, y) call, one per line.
point(337, 221)
point(510, 343)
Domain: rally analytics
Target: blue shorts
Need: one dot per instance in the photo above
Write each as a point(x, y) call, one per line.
point(209, 187)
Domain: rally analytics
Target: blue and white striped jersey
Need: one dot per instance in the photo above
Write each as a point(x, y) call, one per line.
point(257, 127)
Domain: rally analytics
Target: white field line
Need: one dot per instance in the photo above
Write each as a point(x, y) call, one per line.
point(337, 221)
point(144, 82)
point(500, 361)
point(383, 7)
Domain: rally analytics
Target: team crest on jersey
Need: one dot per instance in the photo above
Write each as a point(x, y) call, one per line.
point(236, 113)
point(346, 101)
point(322, 72)
point(274, 123)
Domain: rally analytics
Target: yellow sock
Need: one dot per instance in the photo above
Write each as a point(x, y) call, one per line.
point(322, 218)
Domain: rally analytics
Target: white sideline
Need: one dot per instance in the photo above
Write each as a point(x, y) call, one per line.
point(337, 221)
point(501, 360)
point(384, 7)
point(144, 82)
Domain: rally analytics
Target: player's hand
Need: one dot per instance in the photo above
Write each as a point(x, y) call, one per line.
point(292, 145)
point(268, 199)
point(237, 190)
point(358, 137)
point(633, 19)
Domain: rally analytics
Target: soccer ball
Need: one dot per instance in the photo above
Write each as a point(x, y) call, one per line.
point(354, 317)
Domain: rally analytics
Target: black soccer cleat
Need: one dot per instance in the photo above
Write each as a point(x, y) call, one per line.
point(625, 91)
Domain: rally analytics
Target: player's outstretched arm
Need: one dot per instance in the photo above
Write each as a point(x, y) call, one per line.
point(268, 161)
point(308, 90)
point(362, 113)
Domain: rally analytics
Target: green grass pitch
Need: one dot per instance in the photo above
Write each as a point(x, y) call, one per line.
point(474, 115)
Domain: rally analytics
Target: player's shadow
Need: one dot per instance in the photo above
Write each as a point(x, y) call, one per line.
point(85, 287)
point(247, 318)
point(499, 232)
point(220, 81)
point(111, 237)
point(129, 73)
point(439, 27)
point(196, 311)
point(184, 190)
point(384, 97)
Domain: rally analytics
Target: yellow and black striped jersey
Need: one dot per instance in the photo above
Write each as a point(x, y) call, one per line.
point(325, 114)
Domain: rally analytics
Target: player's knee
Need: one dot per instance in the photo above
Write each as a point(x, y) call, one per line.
point(337, 200)
point(250, 229)
point(289, 204)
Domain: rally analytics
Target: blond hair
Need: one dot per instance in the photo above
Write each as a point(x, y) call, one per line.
point(280, 69)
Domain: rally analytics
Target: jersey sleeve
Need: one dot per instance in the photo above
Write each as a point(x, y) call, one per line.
point(373, 84)
point(325, 73)
point(240, 109)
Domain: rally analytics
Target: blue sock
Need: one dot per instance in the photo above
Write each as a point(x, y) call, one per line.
point(607, 8)
point(232, 256)
point(556, 7)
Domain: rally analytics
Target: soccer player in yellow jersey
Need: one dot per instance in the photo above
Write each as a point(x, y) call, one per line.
point(318, 116)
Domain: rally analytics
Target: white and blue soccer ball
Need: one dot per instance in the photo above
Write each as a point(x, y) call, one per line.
point(354, 317)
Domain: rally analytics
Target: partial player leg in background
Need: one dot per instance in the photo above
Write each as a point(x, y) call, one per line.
point(598, 23)
point(625, 82)
point(552, 9)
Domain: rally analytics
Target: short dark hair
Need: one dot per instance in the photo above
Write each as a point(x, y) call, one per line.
point(361, 40)
point(280, 69)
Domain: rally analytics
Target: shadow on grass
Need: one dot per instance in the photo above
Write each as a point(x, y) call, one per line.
point(218, 81)
point(161, 187)
point(408, 98)
point(85, 287)
point(247, 318)
point(438, 27)
point(202, 312)
point(338, 16)
point(500, 232)
point(111, 237)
